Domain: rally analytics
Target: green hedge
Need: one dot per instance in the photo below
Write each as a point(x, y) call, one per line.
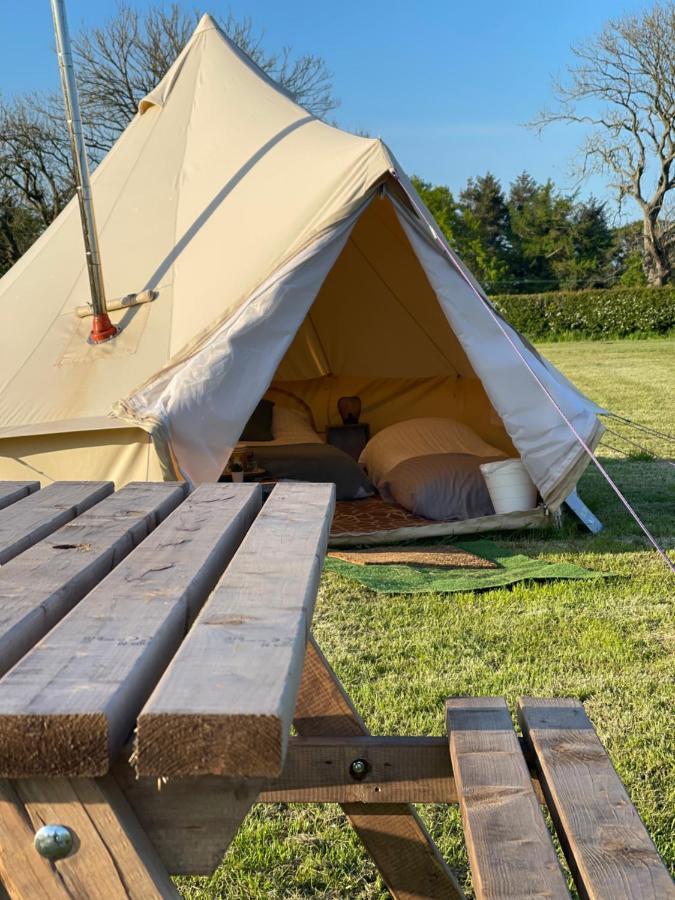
point(618, 312)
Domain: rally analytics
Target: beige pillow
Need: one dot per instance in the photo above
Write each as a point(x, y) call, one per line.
point(420, 437)
point(292, 426)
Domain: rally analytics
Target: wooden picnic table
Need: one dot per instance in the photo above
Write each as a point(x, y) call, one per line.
point(155, 651)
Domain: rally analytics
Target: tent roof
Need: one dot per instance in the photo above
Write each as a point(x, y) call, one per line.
point(218, 180)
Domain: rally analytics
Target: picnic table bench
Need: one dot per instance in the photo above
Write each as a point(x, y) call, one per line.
point(155, 652)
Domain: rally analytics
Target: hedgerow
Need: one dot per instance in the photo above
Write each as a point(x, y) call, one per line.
point(616, 312)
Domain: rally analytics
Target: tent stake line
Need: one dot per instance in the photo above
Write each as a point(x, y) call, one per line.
point(594, 459)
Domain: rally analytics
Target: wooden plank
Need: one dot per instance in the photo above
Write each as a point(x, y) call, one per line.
point(71, 702)
point(11, 491)
point(393, 833)
point(112, 859)
point(190, 821)
point(509, 847)
point(226, 702)
point(38, 587)
point(400, 769)
point(608, 849)
point(23, 872)
point(31, 519)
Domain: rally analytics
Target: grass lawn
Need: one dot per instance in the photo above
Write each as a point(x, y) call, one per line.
point(610, 644)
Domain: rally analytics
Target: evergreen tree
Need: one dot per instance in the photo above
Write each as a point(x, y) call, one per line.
point(486, 230)
point(540, 236)
point(592, 243)
point(443, 207)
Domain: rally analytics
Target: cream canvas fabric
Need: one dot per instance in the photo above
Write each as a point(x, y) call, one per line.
point(283, 251)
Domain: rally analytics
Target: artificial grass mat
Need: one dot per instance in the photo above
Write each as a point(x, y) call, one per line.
point(406, 579)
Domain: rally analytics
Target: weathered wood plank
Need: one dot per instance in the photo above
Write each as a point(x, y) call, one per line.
point(608, 849)
point(190, 821)
point(71, 702)
point(23, 872)
point(112, 858)
point(393, 833)
point(11, 491)
point(399, 769)
point(225, 704)
point(38, 587)
point(509, 847)
point(40, 513)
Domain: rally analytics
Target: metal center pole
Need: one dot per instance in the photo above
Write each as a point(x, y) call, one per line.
point(102, 328)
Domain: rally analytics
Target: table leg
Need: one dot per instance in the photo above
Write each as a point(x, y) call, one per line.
point(393, 833)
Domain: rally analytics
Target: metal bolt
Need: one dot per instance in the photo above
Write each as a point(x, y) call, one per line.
point(53, 841)
point(359, 769)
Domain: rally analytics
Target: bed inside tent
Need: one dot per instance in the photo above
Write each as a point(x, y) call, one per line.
point(376, 331)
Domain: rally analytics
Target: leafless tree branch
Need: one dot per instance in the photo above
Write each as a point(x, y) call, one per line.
point(117, 64)
point(622, 85)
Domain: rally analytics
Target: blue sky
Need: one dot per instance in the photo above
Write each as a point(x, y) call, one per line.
point(447, 84)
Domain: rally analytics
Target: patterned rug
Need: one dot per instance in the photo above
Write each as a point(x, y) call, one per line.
point(431, 555)
point(373, 514)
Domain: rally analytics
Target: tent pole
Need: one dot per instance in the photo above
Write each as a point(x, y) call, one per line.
point(102, 328)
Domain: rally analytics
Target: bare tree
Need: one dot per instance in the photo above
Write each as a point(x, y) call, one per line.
point(35, 167)
point(117, 64)
point(623, 86)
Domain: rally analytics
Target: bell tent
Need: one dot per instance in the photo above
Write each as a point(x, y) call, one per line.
point(248, 245)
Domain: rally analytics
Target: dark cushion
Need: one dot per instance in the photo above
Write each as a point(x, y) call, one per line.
point(259, 426)
point(316, 462)
point(445, 487)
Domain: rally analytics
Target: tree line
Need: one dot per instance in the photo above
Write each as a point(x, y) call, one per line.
point(534, 237)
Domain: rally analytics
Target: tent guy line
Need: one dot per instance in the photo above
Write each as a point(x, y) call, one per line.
point(603, 471)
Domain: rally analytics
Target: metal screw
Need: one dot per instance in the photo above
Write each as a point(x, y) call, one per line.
point(359, 769)
point(53, 841)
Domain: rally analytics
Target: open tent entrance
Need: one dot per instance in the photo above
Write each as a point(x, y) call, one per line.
point(376, 330)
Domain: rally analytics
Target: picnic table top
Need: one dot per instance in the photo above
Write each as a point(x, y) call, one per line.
point(99, 589)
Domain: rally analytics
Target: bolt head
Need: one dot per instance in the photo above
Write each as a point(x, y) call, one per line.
point(53, 841)
point(359, 768)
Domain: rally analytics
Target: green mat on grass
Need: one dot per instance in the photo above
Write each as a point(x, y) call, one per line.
point(406, 579)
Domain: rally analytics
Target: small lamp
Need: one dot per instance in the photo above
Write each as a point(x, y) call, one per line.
point(349, 409)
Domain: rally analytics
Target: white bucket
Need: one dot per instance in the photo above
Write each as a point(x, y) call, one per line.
point(509, 486)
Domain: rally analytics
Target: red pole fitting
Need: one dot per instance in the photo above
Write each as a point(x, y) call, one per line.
point(102, 329)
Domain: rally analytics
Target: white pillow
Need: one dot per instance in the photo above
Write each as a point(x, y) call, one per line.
point(420, 437)
point(292, 426)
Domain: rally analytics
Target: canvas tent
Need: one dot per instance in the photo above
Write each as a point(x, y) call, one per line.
point(280, 249)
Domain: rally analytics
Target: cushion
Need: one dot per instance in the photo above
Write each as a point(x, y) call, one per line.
point(316, 462)
point(259, 426)
point(445, 487)
point(421, 437)
point(292, 426)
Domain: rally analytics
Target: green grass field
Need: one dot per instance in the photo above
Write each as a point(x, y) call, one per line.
point(609, 643)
